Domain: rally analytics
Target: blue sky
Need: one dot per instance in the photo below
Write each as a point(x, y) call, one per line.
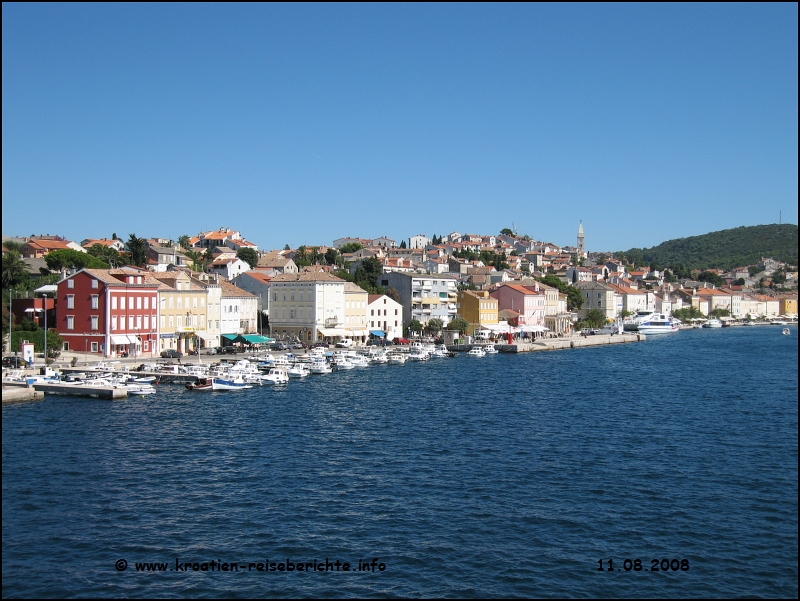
point(300, 124)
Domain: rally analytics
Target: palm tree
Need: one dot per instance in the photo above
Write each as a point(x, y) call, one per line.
point(15, 270)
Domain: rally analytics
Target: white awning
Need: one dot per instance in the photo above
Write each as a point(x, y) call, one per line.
point(500, 327)
point(133, 339)
point(333, 332)
point(533, 329)
point(119, 339)
point(354, 333)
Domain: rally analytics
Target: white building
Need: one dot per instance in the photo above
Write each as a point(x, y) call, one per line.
point(228, 268)
point(239, 311)
point(418, 241)
point(384, 317)
point(307, 306)
point(257, 283)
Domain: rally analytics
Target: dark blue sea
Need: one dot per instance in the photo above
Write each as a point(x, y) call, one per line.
point(510, 475)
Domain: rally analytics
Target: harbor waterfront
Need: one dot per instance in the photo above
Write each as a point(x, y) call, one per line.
point(514, 474)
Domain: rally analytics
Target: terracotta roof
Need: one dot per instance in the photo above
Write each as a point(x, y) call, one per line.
point(351, 287)
point(229, 290)
point(520, 289)
point(307, 276)
point(257, 275)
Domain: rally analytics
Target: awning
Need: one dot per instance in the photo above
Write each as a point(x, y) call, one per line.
point(333, 332)
point(132, 339)
point(533, 329)
point(119, 339)
point(256, 339)
point(231, 337)
point(500, 327)
point(205, 336)
point(380, 333)
point(356, 332)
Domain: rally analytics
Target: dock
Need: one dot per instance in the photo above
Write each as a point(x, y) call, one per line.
point(553, 344)
point(14, 394)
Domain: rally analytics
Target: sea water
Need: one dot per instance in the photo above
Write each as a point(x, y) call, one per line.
point(508, 475)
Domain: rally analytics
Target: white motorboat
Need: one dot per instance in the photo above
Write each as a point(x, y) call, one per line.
point(631, 324)
point(341, 363)
point(611, 329)
point(476, 351)
point(490, 350)
point(358, 360)
point(298, 370)
point(396, 358)
point(418, 354)
point(659, 324)
point(379, 358)
point(319, 366)
point(277, 375)
point(713, 323)
point(785, 332)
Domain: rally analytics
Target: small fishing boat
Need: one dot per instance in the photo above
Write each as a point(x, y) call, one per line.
point(785, 331)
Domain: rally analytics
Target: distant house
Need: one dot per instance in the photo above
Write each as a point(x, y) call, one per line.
point(115, 243)
point(277, 262)
point(36, 248)
point(228, 268)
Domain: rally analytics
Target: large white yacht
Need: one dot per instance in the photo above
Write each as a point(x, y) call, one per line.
point(659, 324)
point(631, 324)
point(713, 323)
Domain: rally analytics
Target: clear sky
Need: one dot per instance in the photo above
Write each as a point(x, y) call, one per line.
point(300, 124)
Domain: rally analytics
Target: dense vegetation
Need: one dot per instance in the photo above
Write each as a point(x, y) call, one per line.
point(725, 249)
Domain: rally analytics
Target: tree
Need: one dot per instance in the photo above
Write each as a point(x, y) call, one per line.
point(393, 294)
point(248, 255)
point(595, 318)
point(507, 232)
point(15, 270)
point(403, 244)
point(623, 314)
point(711, 278)
point(574, 299)
point(66, 258)
point(458, 323)
point(108, 254)
point(351, 247)
point(198, 264)
point(287, 247)
point(739, 282)
point(719, 312)
point(415, 326)
point(184, 242)
point(367, 273)
point(332, 257)
point(434, 326)
point(137, 247)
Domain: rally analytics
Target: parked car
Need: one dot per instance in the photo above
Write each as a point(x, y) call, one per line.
point(402, 341)
point(279, 346)
point(298, 345)
point(13, 362)
point(171, 354)
point(211, 351)
point(344, 343)
point(230, 350)
point(320, 345)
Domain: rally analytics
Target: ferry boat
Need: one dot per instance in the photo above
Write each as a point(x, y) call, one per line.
point(631, 324)
point(659, 324)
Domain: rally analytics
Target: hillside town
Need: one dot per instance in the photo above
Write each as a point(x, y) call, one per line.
point(144, 296)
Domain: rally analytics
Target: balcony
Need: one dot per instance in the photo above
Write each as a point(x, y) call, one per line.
point(331, 322)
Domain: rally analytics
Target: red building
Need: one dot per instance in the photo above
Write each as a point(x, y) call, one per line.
point(109, 311)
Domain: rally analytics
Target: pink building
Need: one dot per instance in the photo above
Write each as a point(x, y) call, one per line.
point(528, 301)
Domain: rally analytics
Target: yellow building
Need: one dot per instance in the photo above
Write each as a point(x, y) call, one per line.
point(478, 308)
point(181, 311)
point(788, 304)
point(355, 312)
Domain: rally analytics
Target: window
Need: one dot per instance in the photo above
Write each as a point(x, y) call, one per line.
point(202, 303)
point(292, 296)
point(171, 321)
point(130, 322)
point(146, 301)
point(180, 303)
point(113, 302)
point(70, 301)
point(146, 346)
point(121, 302)
point(65, 347)
point(95, 284)
point(274, 296)
point(113, 322)
point(138, 322)
point(395, 312)
point(95, 322)
point(194, 302)
point(180, 321)
point(94, 347)
point(95, 302)
point(163, 321)
point(146, 322)
point(138, 302)
point(372, 312)
point(70, 283)
point(163, 303)
point(202, 321)
point(171, 302)
point(70, 322)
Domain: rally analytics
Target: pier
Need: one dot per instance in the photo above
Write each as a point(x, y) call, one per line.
point(553, 344)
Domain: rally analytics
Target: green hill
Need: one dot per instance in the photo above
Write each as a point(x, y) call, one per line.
point(725, 249)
